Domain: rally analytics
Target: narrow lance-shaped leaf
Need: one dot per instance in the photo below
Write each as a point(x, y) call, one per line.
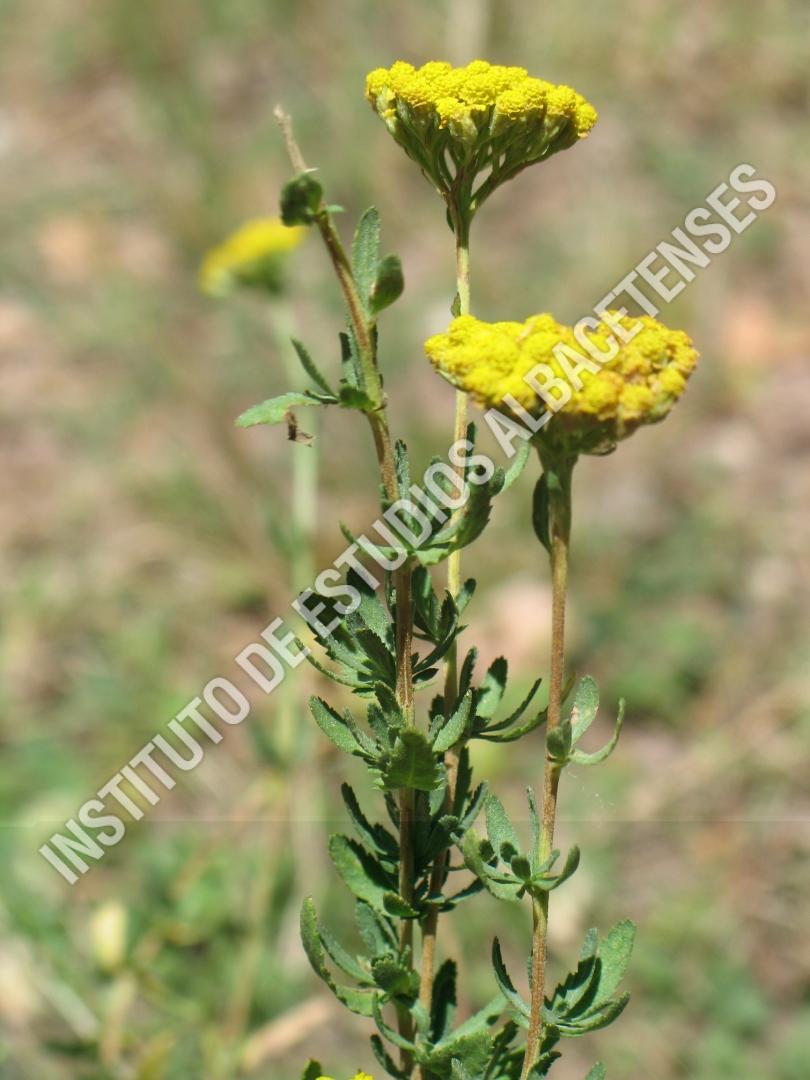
point(311, 368)
point(366, 253)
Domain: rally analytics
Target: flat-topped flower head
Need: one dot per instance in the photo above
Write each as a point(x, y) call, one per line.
point(596, 385)
point(472, 128)
point(357, 1076)
point(252, 256)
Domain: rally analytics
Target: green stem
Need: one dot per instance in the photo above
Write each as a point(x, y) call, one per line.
point(303, 518)
point(403, 629)
point(439, 873)
point(558, 474)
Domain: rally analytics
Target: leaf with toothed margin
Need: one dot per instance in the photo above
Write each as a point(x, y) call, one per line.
point(385, 1059)
point(361, 872)
point(357, 1001)
point(412, 764)
point(580, 757)
point(276, 410)
point(455, 727)
point(500, 830)
point(505, 984)
point(310, 367)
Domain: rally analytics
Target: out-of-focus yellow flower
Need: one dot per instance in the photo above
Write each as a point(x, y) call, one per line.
point(108, 934)
point(253, 256)
point(599, 392)
point(459, 123)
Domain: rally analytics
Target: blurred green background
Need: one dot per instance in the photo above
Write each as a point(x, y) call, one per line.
point(142, 537)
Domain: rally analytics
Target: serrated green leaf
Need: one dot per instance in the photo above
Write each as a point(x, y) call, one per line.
point(455, 727)
point(311, 369)
point(548, 882)
point(614, 953)
point(357, 1001)
point(580, 757)
point(385, 1059)
point(312, 1071)
point(473, 1050)
point(375, 837)
point(366, 253)
point(395, 978)
point(343, 959)
point(598, 1072)
point(412, 764)
point(493, 686)
point(275, 410)
point(517, 466)
point(474, 859)
point(361, 872)
point(399, 908)
point(387, 1031)
point(443, 1001)
point(500, 830)
point(376, 930)
point(484, 1018)
point(388, 284)
point(334, 726)
point(505, 984)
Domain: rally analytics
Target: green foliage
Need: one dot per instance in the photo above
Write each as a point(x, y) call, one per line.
point(301, 200)
point(584, 1001)
point(385, 654)
point(562, 743)
point(277, 410)
point(501, 864)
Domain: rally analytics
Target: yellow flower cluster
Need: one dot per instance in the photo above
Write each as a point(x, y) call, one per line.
point(249, 256)
point(357, 1076)
point(603, 397)
point(479, 117)
point(451, 93)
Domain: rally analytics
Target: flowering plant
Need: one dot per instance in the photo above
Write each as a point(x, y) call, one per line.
point(395, 630)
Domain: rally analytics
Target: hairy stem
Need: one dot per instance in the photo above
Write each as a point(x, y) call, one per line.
point(365, 337)
point(558, 474)
point(439, 873)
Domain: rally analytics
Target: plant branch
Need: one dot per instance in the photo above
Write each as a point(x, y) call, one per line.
point(365, 337)
point(558, 473)
point(439, 874)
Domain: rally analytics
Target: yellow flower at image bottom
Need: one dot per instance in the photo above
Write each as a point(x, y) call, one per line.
point(357, 1076)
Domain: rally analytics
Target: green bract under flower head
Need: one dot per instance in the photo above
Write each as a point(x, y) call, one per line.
point(472, 128)
point(253, 255)
point(599, 384)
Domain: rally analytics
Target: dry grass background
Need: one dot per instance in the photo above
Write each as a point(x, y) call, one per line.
point(138, 529)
